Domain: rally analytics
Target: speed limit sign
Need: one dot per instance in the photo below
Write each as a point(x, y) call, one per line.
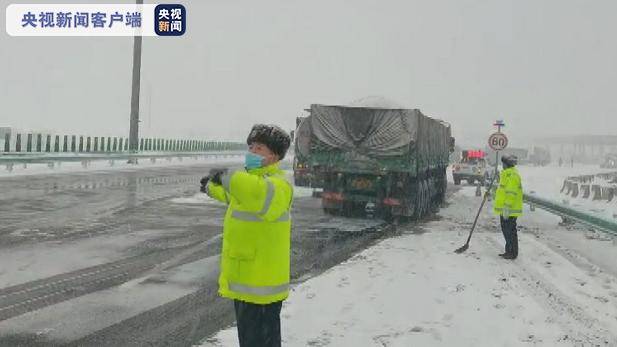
point(498, 141)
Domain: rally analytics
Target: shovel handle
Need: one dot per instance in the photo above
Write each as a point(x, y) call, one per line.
point(473, 227)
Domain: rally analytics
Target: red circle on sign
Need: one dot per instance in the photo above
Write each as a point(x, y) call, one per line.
point(498, 141)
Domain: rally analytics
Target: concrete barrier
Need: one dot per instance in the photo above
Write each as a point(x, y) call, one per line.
point(610, 194)
point(29, 143)
point(18, 143)
point(7, 143)
point(605, 193)
point(568, 187)
point(597, 192)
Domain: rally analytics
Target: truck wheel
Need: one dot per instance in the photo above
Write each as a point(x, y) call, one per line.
point(433, 200)
point(418, 208)
point(386, 214)
point(444, 188)
point(429, 198)
point(425, 198)
point(471, 181)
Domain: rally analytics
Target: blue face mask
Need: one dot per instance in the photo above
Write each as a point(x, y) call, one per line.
point(253, 161)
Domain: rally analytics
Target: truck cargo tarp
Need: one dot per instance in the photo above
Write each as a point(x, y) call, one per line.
point(303, 137)
point(370, 131)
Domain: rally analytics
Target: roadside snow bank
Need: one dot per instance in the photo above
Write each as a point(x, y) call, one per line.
point(413, 290)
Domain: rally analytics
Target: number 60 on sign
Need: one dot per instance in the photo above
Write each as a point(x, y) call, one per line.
point(498, 141)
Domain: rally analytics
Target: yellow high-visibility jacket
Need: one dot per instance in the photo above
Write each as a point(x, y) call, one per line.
point(509, 194)
point(256, 234)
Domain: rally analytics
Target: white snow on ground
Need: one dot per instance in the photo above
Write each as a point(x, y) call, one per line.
point(412, 290)
point(104, 165)
point(76, 318)
point(31, 262)
point(547, 182)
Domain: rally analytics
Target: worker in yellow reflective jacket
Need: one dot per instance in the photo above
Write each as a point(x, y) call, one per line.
point(256, 235)
point(509, 204)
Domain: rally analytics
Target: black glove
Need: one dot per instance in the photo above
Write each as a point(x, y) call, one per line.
point(204, 180)
point(204, 183)
point(215, 175)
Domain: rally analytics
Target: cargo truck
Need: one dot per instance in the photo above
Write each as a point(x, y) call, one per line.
point(390, 162)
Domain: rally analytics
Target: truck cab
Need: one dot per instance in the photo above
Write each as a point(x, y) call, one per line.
point(472, 167)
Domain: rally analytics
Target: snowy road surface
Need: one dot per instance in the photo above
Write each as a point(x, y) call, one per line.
point(412, 290)
point(134, 260)
point(130, 257)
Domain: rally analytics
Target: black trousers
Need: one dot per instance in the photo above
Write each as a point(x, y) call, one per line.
point(508, 227)
point(258, 325)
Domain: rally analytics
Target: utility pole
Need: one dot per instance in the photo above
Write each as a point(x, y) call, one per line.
point(134, 127)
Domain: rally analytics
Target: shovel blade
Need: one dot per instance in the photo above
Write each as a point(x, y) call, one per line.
point(462, 249)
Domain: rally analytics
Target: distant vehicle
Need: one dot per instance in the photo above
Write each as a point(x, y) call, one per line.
point(540, 157)
point(610, 161)
point(472, 167)
point(387, 161)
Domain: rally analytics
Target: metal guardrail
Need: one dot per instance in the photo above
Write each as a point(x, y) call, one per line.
point(41, 143)
point(52, 159)
point(570, 213)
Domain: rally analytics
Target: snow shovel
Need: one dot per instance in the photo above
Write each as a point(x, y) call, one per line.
point(466, 245)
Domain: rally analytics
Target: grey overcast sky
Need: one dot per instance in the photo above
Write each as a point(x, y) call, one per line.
point(548, 67)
